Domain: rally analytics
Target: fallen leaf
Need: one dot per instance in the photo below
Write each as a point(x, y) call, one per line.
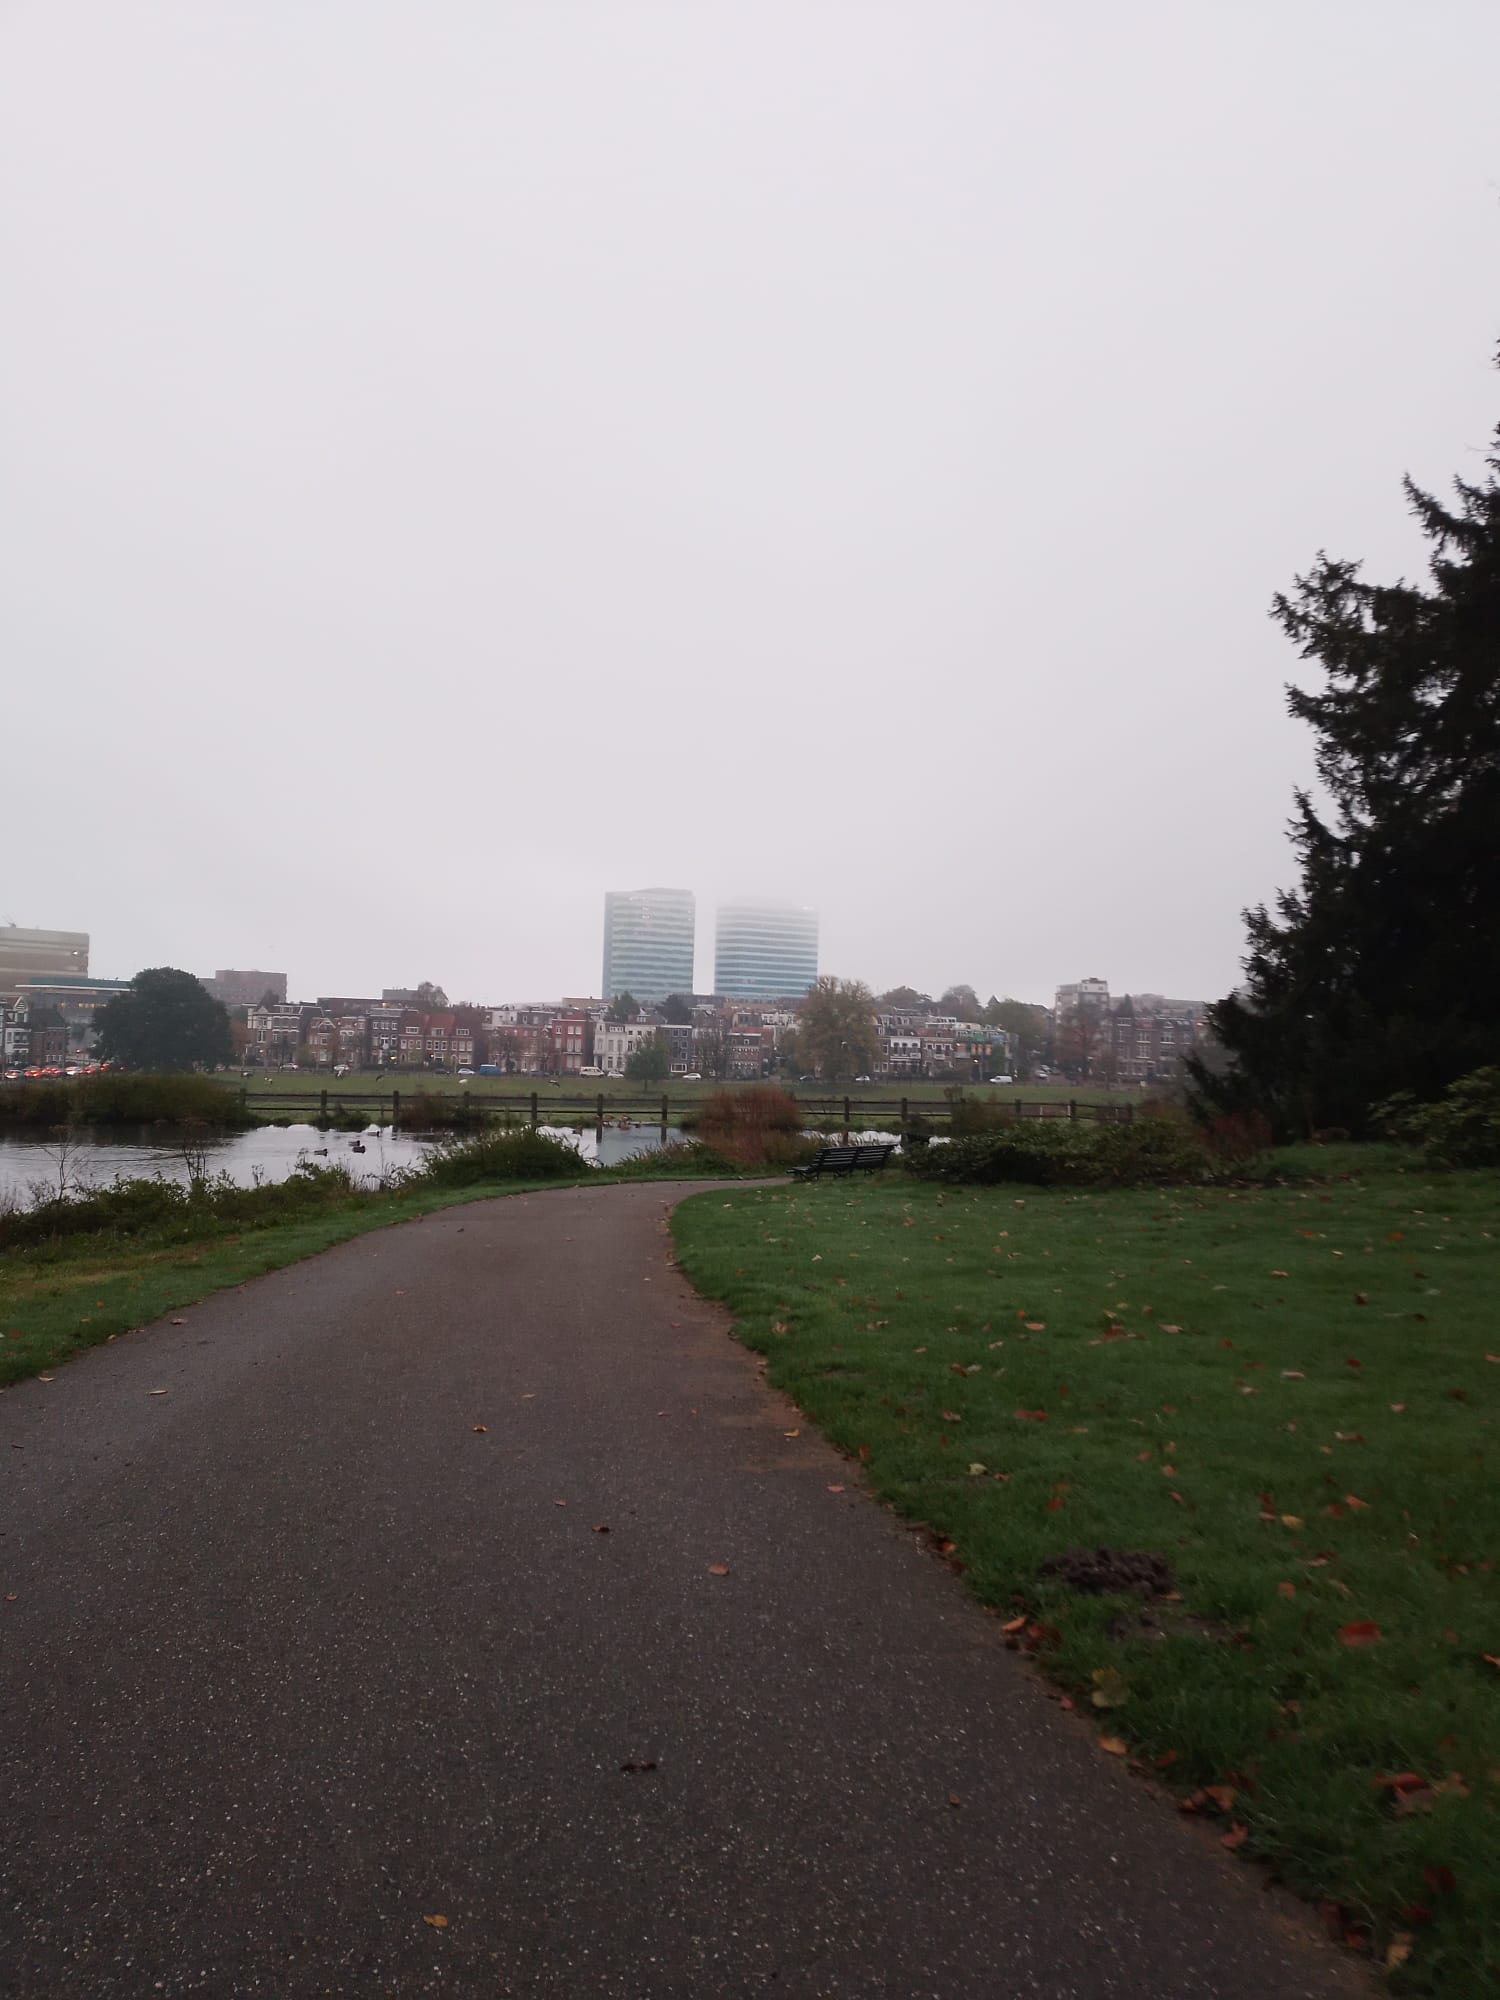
point(1036, 1326)
point(1292, 1375)
point(1110, 1688)
point(179, 1322)
point(976, 1469)
point(953, 1799)
point(1291, 1521)
point(1013, 1625)
point(1440, 1878)
point(602, 1528)
point(480, 1429)
point(634, 1764)
point(718, 1569)
point(1398, 1951)
point(1362, 1632)
point(1113, 1746)
point(1236, 1836)
point(835, 1489)
point(952, 1417)
point(1397, 1408)
point(1032, 1416)
point(156, 1392)
point(1287, 1589)
point(438, 1923)
point(1222, 1796)
point(791, 1434)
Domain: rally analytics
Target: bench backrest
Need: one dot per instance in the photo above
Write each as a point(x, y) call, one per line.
point(836, 1156)
point(874, 1152)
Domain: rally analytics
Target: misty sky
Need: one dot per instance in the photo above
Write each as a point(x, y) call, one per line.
point(460, 456)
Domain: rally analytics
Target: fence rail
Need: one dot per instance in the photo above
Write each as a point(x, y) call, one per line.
point(552, 1107)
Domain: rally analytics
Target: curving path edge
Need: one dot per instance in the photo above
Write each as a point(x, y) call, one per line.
point(295, 1657)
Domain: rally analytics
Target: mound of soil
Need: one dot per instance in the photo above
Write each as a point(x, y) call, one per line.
point(1101, 1571)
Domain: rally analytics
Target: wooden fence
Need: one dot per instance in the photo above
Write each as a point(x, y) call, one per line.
point(556, 1107)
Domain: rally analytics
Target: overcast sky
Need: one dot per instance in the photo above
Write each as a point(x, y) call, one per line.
point(461, 456)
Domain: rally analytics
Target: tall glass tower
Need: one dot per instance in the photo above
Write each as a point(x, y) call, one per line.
point(765, 951)
point(648, 943)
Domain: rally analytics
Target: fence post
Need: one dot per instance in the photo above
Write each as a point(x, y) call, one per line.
point(664, 1118)
point(599, 1119)
point(903, 1117)
point(1073, 1108)
point(533, 1111)
point(322, 1103)
point(466, 1107)
point(395, 1109)
point(244, 1100)
point(846, 1119)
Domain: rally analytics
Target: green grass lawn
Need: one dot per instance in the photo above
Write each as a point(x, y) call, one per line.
point(1290, 1394)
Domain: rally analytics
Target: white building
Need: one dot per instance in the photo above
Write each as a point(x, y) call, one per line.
point(615, 1042)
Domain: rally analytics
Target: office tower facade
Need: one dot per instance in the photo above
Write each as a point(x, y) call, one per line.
point(648, 943)
point(765, 951)
point(29, 955)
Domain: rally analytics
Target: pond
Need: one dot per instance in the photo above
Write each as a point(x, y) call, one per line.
point(269, 1153)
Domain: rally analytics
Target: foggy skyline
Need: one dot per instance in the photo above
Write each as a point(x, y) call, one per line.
point(455, 461)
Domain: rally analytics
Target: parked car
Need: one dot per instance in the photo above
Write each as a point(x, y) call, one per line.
point(489, 1069)
point(863, 1079)
point(591, 1069)
point(466, 1072)
point(1002, 1079)
point(691, 1076)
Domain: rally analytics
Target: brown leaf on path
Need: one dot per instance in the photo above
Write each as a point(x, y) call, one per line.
point(1361, 1632)
point(1165, 1761)
point(480, 1429)
point(179, 1322)
point(1355, 1505)
point(718, 1569)
point(1112, 1746)
point(602, 1528)
point(1236, 1836)
point(835, 1489)
point(864, 1452)
point(953, 1799)
point(1222, 1796)
point(1014, 1624)
point(156, 1392)
point(1400, 1781)
point(1398, 1951)
point(438, 1923)
point(791, 1434)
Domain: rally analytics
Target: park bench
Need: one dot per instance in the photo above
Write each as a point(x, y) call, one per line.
point(844, 1160)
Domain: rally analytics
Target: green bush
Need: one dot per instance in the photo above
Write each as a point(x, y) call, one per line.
point(1148, 1152)
point(505, 1156)
point(123, 1100)
point(1462, 1129)
point(175, 1211)
point(1043, 1152)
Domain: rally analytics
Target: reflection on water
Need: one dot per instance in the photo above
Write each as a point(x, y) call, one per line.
point(269, 1153)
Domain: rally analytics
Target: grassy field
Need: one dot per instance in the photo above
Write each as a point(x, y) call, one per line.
point(1290, 1396)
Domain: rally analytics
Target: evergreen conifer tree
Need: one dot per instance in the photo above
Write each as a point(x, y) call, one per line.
point(1380, 971)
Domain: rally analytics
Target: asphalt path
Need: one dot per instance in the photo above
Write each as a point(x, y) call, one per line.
point(385, 1589)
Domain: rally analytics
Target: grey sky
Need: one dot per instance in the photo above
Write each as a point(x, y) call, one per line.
point(460, 457)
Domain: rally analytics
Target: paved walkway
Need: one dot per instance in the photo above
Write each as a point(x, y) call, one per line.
point(299, 1657)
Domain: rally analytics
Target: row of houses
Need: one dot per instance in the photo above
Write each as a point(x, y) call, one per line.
point(32, 1035)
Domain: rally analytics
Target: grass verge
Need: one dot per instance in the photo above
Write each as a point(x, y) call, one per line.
point(1287, 1393)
